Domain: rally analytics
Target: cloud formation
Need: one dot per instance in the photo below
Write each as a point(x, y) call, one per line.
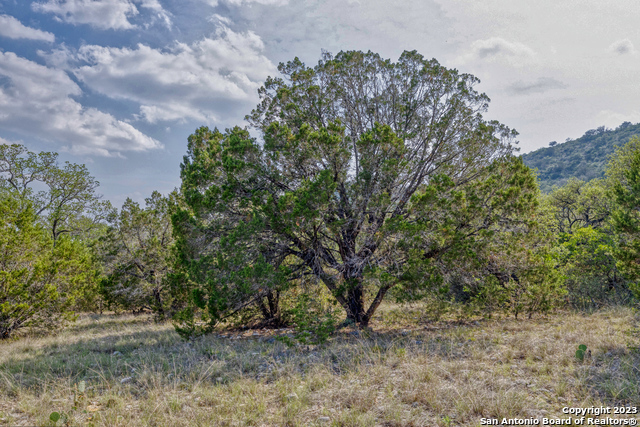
point(38, 101)
point(499, 49)
point(198, 81)
point(622, 47)
point(102, 14)
point(540, 85)
point(496, 46)
point(12, 28)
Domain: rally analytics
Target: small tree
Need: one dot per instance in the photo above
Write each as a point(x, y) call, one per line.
point(354, 151)
point(586, 242)
point(137, 254)
point(587, 258)
point(39, 282)
point(579, 204)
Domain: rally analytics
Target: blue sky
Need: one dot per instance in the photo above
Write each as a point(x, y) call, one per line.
point(120, 84)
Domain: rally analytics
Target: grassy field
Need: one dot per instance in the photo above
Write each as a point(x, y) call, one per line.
point(407, 373)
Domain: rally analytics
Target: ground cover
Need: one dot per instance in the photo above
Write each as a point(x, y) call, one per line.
point(405, 371)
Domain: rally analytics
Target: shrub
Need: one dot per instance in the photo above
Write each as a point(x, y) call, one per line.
point(40, 282)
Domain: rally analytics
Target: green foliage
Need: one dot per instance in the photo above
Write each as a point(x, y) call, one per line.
point(355, 178)
point(621, 161)
point(484, 247)
point(579, 204)
point(584, 158)
point(587, 242)
point(592, 277)
point(39, 282)
point(315, 319)
point(136, 252)
point(581, 352)
point(527, 283)
point(225, 262)
point(626, 218)
point(63, 198)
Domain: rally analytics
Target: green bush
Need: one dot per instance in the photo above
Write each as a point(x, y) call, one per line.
point(40, 283)
point(315, 318)
point(592, 277)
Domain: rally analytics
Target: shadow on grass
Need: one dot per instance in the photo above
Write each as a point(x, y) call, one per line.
point(143, 356)
point(91, 322)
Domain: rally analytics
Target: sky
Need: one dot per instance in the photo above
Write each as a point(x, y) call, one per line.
point(119, 85)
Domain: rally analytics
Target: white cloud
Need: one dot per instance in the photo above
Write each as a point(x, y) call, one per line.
point(12, 28)
point(196, 81)
point(499, 49)
point(216, 18)
point(160, 13)
point(38, 101)
point(57, 58)
point(103, 14)
point(622, 47)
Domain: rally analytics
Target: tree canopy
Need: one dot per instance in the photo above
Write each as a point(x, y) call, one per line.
point(625, 172)
point(39, 283)
point(362, 166)
point(63, 198)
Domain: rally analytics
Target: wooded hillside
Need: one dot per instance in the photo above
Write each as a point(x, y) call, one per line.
point(584, 158)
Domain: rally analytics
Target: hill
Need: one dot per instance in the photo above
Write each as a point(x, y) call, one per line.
point(584, 158)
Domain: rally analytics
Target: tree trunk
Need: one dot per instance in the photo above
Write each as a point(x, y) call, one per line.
point(274, 306)
point(355, 303)
point(158, 299)
point(271, 310)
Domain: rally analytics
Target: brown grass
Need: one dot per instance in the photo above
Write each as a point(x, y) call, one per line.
point(438, 374)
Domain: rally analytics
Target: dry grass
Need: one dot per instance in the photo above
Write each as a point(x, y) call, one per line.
point(141, 373)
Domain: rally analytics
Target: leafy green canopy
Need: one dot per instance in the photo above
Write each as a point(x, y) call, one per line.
point(626, 218)
point(63, 198)
point(364, 167)
point(593, 223)
point(579, 204)
point(580, 220)
point(39, 282)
